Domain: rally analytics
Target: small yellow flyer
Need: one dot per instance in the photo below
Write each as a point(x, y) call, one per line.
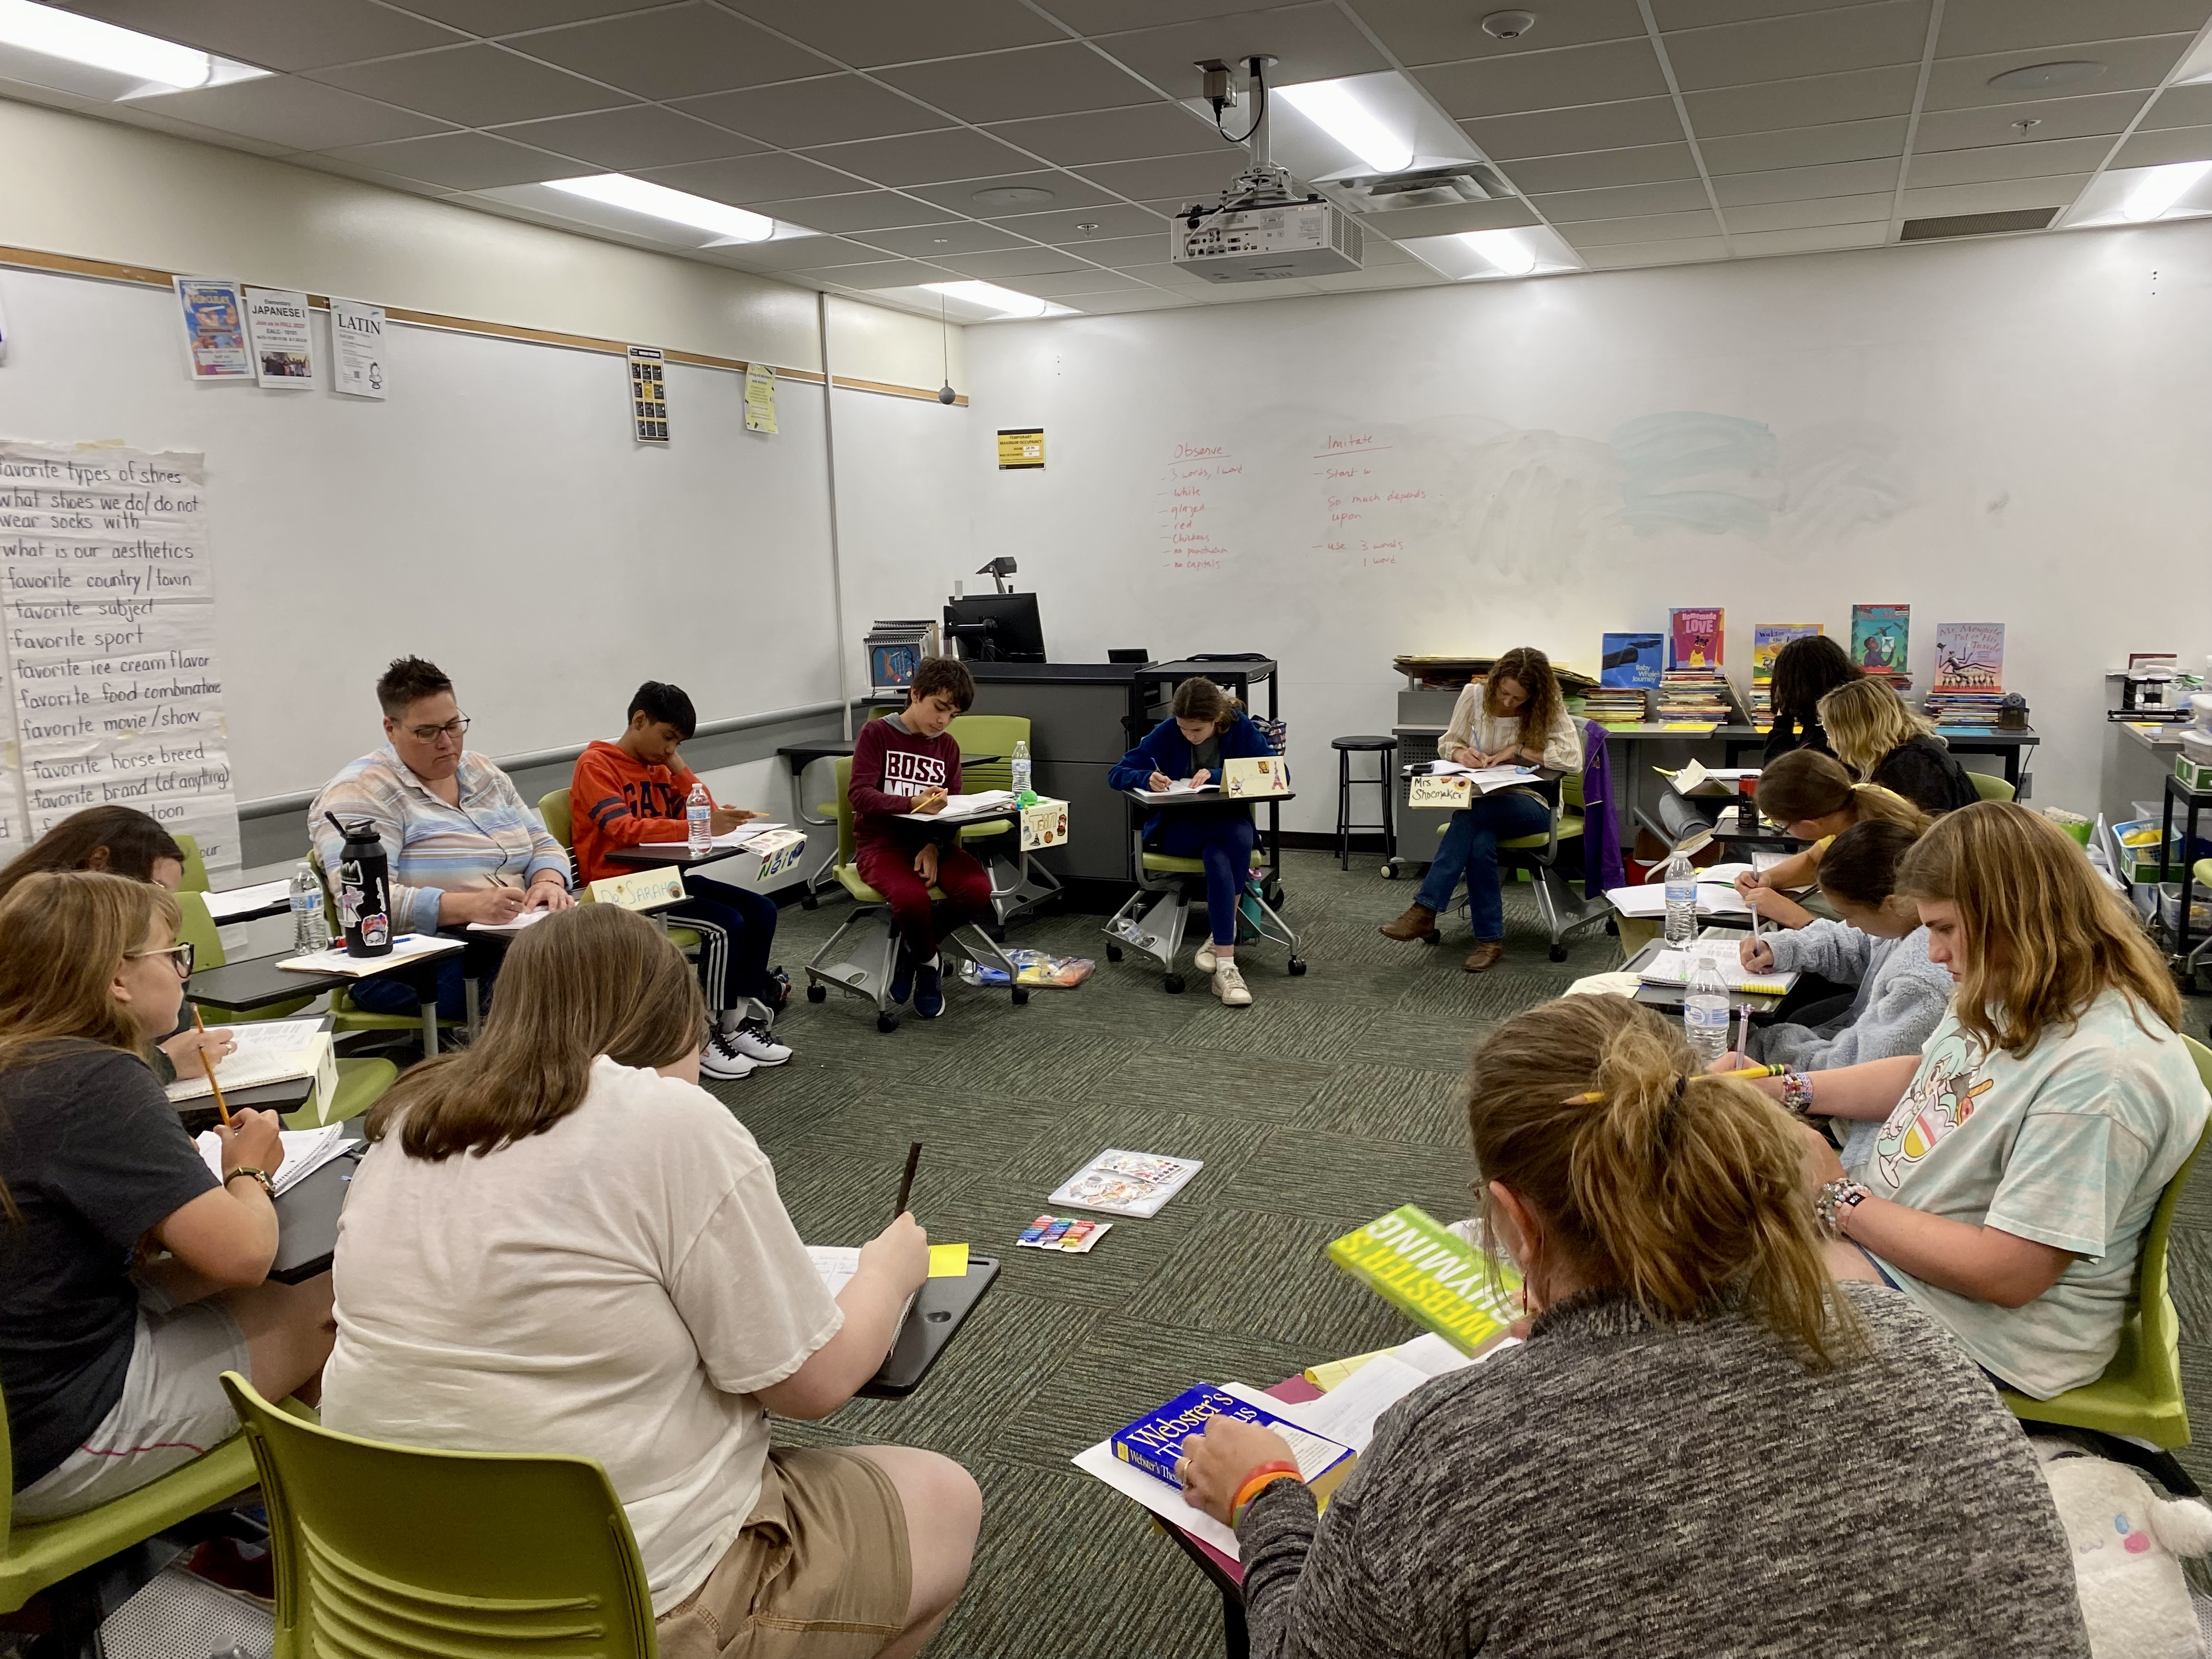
point(760, 398)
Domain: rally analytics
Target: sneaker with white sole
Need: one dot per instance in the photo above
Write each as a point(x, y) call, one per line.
point(1229, 985)
point(751, 1040)
point(1203, 958)
point(721, 1058)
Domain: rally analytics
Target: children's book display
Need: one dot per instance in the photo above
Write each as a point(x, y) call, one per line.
point(1696, 636)
point(1969, 688)
point(1881, 637)
point(1767, 639)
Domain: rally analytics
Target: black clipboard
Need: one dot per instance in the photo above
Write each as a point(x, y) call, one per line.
point(939, 1309)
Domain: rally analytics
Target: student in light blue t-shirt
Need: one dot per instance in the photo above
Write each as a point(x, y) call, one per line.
point(2022, 1152)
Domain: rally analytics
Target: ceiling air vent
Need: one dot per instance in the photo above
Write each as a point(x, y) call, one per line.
point(1977, 224)
point(1443, 186)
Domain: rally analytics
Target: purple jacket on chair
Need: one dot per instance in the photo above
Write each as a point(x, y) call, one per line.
point(1600, 833)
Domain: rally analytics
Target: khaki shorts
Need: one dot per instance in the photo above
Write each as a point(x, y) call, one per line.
point(820, 1571)
point(173, 1408)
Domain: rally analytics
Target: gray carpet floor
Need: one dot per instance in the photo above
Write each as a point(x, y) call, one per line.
point(1328, 1102)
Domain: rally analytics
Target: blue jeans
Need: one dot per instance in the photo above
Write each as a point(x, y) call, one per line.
point(1470, 850)
point(734, 966)
point(1222, 841)
point(399, 994)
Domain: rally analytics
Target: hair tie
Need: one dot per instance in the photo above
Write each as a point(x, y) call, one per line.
point(1682, 1088)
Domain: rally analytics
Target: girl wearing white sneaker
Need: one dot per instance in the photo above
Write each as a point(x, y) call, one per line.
point(1206, 726)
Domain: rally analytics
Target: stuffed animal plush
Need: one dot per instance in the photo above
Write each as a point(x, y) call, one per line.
point(2125, 1539)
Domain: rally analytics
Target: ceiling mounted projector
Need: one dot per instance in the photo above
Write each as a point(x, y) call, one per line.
point(1261, 231)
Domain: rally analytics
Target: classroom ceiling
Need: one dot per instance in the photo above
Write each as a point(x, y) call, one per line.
point(1040, 145)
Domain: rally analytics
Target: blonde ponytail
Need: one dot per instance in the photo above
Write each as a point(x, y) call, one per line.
point(1678, 1189)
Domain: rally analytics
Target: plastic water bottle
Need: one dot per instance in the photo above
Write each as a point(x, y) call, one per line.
point(1705, 1006)
point(1021, 790)
point(311, 928)
point(1681, 900)
point(699, 822)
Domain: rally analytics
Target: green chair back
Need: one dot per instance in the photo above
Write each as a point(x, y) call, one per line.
point(989, 734)
point(553, 807)
point(1989, 786)
point(196, 875)
point(383, 1549)
point(2140, 1393)
point(196, 927)
point(843, 768)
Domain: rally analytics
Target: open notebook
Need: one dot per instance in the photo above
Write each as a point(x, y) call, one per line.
point(1673, 968)
point(268, 1051)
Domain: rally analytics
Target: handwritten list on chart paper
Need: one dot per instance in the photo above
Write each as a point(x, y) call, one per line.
point(1191, 497)
point(1364, 500)
point(108, 593)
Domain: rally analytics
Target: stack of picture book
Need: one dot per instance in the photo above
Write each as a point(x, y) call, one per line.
point(1766, 640)
point(1693, 692)
point(1969, 689)
point(1629, 667)
point(1882, 636)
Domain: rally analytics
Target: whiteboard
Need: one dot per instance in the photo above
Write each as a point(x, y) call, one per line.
point(2010, 431)
point(492, 514)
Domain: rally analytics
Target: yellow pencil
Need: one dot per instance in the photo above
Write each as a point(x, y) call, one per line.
point(222, 1106)
point(1594, 1095)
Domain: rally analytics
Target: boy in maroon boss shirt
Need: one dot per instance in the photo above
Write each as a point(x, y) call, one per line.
point(904, 766)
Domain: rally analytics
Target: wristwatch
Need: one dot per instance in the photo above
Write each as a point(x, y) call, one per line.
point(1836, 1202)
point(253, 1173)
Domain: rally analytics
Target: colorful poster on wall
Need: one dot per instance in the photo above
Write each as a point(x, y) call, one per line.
point(278, 323)
point(648, 394)
point(357, 344)
point(213, 310)
point(1697, 634)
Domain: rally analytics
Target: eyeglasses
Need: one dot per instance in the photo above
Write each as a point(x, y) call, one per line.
point(452, 728)
point(180, 957)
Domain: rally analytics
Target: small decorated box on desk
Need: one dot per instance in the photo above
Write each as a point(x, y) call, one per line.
point(1044, 824)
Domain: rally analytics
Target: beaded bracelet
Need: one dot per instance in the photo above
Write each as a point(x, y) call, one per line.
point(1836, 1202)
point(1265, 1475)
point(1796, 1092)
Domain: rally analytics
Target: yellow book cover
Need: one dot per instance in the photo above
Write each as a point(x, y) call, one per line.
point(1433, 1277)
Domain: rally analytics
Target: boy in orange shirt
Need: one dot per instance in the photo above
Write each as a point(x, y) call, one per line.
point(634, 790)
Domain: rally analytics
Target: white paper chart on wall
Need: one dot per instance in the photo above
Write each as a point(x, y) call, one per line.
point(108, 593)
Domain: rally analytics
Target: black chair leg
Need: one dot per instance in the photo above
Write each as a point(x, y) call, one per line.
point(1344, 809)
point(1235, 1640)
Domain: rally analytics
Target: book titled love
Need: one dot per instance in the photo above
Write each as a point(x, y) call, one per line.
point(1433, 1276)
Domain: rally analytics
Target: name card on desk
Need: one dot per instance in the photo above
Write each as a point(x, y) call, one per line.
point(638, 889)
point(1044, 824)
point(1257, 774)
point(780, 850)
point(1426, 789)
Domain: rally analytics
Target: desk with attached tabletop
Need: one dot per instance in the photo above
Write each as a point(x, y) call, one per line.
point(1668, 999)
point(259, 982)
point(307, 1216)
point(801, 755)
point(198, 1112)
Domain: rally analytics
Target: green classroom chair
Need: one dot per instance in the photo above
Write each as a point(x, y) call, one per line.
point(1562, 910)
point(196, 875)
point(385, 1549)
point(863, 967)
point(197, 929)
point(348, 1017)
point(1155, 917)
point(2139, 1396)
point(1014, 887)
point(1989, 786)
point(553, 807)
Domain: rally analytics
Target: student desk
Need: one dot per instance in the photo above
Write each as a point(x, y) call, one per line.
point(801, 755)
point(290, 1095)
point(259, 982)
point(307, 1216)
point(1668, 999)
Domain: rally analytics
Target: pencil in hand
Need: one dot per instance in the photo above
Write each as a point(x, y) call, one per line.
point(906, 1181)
point(207, 1065)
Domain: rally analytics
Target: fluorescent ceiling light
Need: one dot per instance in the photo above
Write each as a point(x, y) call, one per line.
point(164, 63)
point(1339, 112)
point(1503, 249)
point(732, 224)
point(2161, 187)
point(991, 297)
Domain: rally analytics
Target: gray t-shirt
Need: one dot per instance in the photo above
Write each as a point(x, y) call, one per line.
point(1677, 1492)
point(1206, 757)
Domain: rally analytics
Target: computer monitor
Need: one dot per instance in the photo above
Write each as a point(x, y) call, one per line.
point(996, 627)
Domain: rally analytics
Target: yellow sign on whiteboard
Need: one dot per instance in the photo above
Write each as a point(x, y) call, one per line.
point(1021, 447)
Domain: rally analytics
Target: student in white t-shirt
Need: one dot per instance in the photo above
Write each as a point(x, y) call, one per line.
point(2022, 1150)
point(559, 1243)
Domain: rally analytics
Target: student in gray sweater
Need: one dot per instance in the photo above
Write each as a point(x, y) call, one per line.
point(1880, 945)
point(1706, 1446)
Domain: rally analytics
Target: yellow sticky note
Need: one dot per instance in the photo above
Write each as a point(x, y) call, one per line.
point(948, 1261)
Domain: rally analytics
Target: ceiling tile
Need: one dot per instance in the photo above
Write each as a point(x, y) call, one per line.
point(1115, 134)
point(1708, 14)
point(1648, 164)
point(1104, 16)
point(278, 34)
point(1067, 191)
point(346, 169)
point(1119, 253)
point(927, 241)
point(1601, 73)
point(478, 86)
point(1643, 228)
point(2001, 196)
point(888, 273)
point(634, 137)
point(2021, 160)
point(677, 53)
point(1979, 26)
point(1638, 256)
point(1083, 224)
point(1136, 299)
point(1686, 197)
point(1822, 210)
point(298, 114)
point(1190, 177)
point(1813, 43)
point(923, 158)
point(2053, 117)
point(869, 32)
point(1311, 42)
point(805, 253)
point(1016, 262)
point(1814, 100)
point(1446, 31)
point(2181, 106)
point(829, 110)
point(1173, 278)
point(743, 179)
point(1014, 85)
point(2168, 144)
point(1072, 282)
point(1567, 131)
point(1963, 82)
point(1412, 274)
point(135, 114)
point(461, 161)
point(866, 209)
point(1806, 184)
point(1812, 239)
point(1806, 147)
point(490, 17)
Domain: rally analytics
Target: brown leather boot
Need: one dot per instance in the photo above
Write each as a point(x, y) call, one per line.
point(1485, 956)
point(1419, 922)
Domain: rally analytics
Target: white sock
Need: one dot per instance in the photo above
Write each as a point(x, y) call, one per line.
point(728, 1020)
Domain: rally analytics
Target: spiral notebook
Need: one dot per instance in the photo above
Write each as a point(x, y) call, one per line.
point(1673, 968)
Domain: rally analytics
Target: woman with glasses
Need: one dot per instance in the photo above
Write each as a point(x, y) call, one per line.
point(132, 1275)
point(462, 844)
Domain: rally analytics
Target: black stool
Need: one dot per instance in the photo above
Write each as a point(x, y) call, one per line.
point(1385, 749)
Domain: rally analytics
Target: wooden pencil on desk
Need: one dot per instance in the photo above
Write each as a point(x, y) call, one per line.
point(222, 1106)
